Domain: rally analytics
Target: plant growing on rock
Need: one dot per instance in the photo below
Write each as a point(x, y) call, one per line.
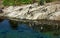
point(41, 2)
point(47, 1)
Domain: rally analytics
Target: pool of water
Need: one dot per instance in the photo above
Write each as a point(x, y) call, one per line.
point(22, 31)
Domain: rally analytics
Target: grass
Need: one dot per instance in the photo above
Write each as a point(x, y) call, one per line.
point(20, 2)
point(16, 2)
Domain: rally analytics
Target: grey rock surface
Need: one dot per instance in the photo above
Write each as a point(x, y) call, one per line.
point(33, 12)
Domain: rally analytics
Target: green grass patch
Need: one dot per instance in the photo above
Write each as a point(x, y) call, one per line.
point(21, 2)
point(16, 2)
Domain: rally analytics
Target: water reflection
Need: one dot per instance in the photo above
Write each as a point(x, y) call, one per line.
point(23, 30)
point(13, 24)
point(45, 28)
point(38, 28)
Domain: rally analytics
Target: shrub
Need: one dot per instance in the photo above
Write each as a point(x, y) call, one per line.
point(47, 1)
point(41, 2)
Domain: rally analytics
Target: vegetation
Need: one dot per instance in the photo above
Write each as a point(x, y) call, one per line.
point(49, 1)
point(20, 2)
point(16, 2)
point(41, 2)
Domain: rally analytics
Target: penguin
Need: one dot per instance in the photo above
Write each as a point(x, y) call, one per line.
point(1, 10)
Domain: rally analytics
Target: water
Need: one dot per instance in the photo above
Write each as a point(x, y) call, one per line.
point(22, 31)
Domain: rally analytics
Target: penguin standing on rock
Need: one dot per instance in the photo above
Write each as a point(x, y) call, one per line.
point(1, 10)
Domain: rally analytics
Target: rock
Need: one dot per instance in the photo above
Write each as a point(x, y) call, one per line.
point(33, 12)
point(55, 16)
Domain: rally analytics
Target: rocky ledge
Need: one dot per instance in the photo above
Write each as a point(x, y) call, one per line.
point(33, 11)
